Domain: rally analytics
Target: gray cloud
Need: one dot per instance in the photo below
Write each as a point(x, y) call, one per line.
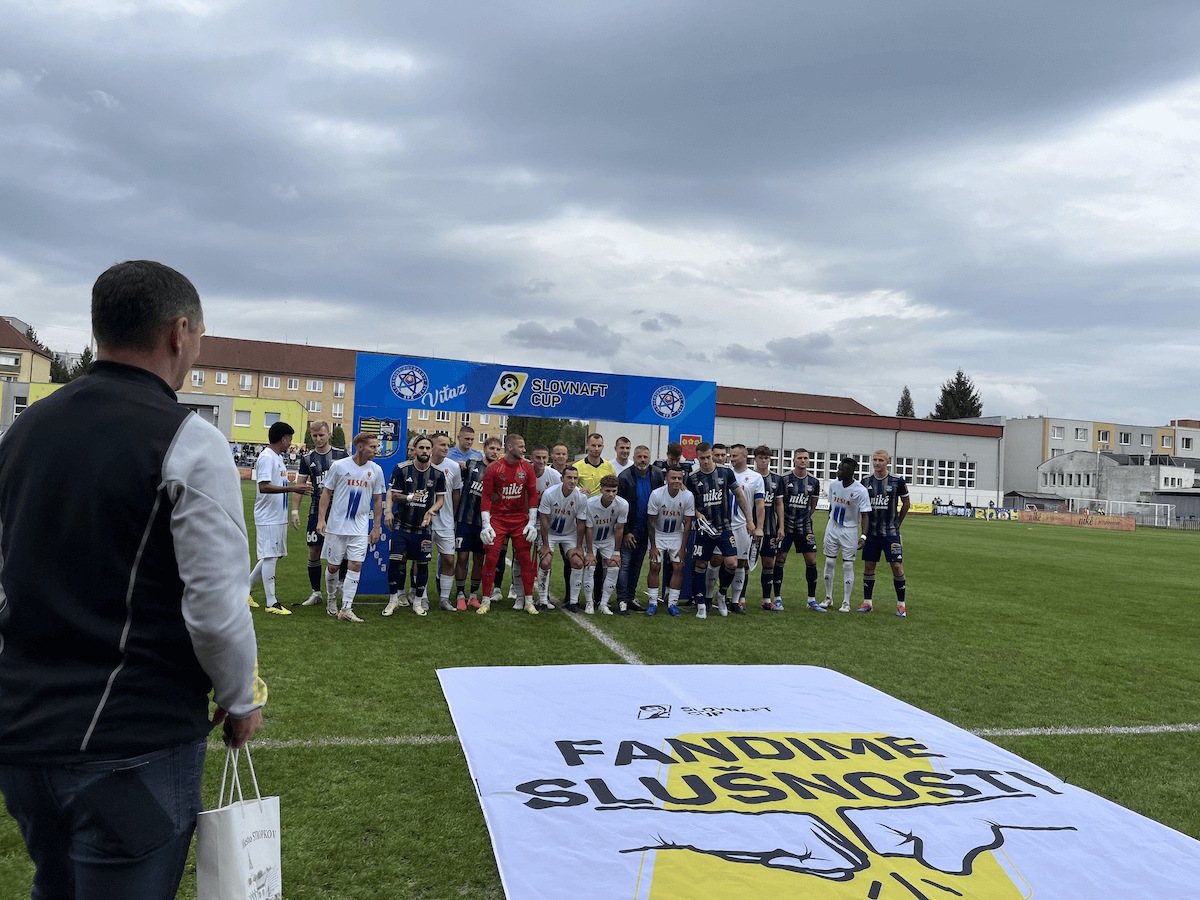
point(583, 335)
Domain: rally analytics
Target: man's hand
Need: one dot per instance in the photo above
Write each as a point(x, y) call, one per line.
point(630, 540)
point(238, 731)
point(757, 532)
point(305, 488)
point(589, 561)
point(321, 527)
point(388, 520)
point(426, 519)
point(373, 537)
point(296, 519)
point(487, 535)
point(529, 532)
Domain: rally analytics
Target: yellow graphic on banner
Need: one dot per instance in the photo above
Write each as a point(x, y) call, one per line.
point(848, 816)
point(508, 389)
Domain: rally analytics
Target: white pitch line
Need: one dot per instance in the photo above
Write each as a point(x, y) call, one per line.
point(1103, 729)
point(612, 644)
point(406, 739)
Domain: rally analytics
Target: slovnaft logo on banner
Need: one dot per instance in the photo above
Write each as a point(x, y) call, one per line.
point(757, 782)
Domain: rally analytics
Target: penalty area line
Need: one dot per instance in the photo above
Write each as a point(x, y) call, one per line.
point(1103, 729)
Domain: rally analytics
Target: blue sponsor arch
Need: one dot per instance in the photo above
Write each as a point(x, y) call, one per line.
point(387, 387)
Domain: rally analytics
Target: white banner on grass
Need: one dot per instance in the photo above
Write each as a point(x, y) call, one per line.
point(763, 782)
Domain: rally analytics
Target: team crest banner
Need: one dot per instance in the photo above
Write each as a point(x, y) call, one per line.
point(754, 782)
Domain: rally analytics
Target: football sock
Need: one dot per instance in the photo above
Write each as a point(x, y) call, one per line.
point(699, 584)
point(460, 587)
point(868, 587)
point(342, 570)
point(739, 584)
point(725, 578)
point(395, 576)
point(830, 562)
point(848, 578)
point(672, 596)
point(900, 585)
point(331, 585)
point(314, 573)
point(779, 579)
point(445, 585)
point(710, 579)
point(256, 574)
point(516, 566)
point(810, 574)
point(575, 581)
point(419, 580)
point(768, 581)
point(500, 567)
point(610, 582)
point(474, 587)
point(652, 594)
point(349, 589)
point(589, 574)
point(268, 580)
point(527, 581)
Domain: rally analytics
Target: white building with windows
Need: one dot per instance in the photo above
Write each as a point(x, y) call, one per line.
point(951, 461)
point(1083, 475)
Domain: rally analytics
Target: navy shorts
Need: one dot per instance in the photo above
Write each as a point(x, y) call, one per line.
point(768, 548)
point(887, 544)
point(707, 546)
point(466, 537)
point(311, 538)
point(412, 546)
point(805, 543)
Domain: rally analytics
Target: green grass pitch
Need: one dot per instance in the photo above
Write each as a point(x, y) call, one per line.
point(1010, 626)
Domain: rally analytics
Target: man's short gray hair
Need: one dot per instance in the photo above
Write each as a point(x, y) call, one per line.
point(133, 301)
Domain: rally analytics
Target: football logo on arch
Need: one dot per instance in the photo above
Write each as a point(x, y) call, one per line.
point(508, 390)
point(409, 383)
point(668, 401)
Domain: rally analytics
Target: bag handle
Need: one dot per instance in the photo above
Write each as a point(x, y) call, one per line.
point(235, 782)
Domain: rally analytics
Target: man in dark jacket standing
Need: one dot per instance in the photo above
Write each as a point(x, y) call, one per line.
point(635, 485)
point(107, 658)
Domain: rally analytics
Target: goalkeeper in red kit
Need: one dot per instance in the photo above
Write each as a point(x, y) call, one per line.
point(508, 508)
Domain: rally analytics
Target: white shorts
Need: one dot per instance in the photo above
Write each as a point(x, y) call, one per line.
point(270, 541)
point(352, 547)
point(443, 542)
point(741, 540)
point(838, 540)
point(604, 549)
point(668, 546)
point(564, 540)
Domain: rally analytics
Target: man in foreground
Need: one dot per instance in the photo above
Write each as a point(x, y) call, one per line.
point(107, 662)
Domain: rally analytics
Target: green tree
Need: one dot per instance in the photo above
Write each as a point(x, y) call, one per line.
point(59, 373)
point(32, 335)
point(537, 430)
point(81, 367)
point(339, 437)
point(959, 399)
point(904, 409)
point(308, 441)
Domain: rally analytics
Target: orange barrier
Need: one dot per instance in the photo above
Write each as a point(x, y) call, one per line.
point(1077, 520)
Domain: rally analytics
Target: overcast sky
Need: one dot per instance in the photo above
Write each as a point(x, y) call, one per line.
point(830, 197)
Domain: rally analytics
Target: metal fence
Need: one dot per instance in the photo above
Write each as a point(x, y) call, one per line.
point(1147, 515)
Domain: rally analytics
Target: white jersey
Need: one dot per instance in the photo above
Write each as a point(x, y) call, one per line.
point(846, 506)
point(752, 486)
point(671, 513)
point(270, 509)
point(443, 519)
point(621, 467)
point(354, 489)
point(564, 512)
point(603, 520)
point(547, 480)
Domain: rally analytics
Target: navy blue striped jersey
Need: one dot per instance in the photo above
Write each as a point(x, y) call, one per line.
point(472, 489)
point(686, 464)
point(427, 486)
point(886, 495)
point(714, 494)
point(797, 494)
point(313, 466)
point(770, 490)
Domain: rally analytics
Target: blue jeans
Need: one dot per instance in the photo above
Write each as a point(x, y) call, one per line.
point(631, 568)
point(108, 829)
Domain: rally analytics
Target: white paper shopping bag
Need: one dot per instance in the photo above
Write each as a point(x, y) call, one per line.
point(237, 845)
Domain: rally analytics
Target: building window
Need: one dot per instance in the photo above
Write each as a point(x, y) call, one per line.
point(293, 384)
point(245, 382)
point(947, 469)
point(339, 389)
point(1185, 443)
point(774, 463)
point(442, 416)
point(1081, 434)
point(197, 378)
point(423, 415)
point(1087, 480)
point(485, 419)
point(1167, 441)
point(336, 410)
point(313, 405)
point(1056, 452)
point(1045, 479)
point(1102, 436)
point(1147, 441)
point(222, 378)
point(966, 474)
point(20, 404)
point(925, 471)
point(1056, 432)
point(315, 386)
point(270, 419)
point(10, 359)
point(786, 461)
point(481, 438)
point(1070, 479)
point(271, 381)
point(1060, 478)
point(466, 418)
point(1123, 437)
point(503, 423)
point(903, 466)
point(241, 418)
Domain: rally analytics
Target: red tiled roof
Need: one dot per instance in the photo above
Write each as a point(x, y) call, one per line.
point(12, 339)
point(730, 396)
point(274, 358)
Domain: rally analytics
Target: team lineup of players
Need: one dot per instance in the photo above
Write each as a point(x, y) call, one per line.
point(601, 518)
